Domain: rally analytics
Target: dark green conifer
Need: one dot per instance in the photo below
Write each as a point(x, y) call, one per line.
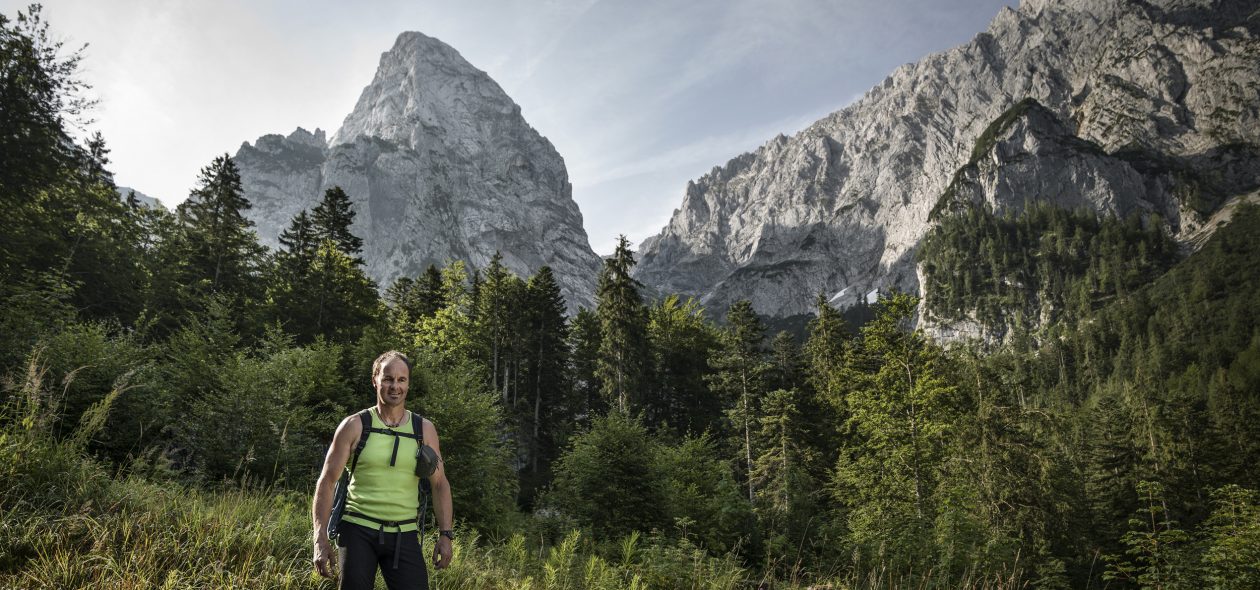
point(623, 349)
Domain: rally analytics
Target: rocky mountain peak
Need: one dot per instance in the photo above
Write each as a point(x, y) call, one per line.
point(425, 92)
point(439, 165)
point(304, 137)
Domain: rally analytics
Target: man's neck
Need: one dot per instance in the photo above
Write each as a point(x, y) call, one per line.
point(391, 415)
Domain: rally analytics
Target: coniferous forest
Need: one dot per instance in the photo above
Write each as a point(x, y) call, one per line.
point(170, 387)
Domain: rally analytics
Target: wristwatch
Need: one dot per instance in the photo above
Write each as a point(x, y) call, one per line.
point(448, 534)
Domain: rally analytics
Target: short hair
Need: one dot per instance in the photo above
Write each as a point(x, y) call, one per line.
point(387, 357)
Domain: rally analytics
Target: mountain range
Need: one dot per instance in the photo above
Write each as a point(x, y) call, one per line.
point(1119, 107)
point(1109, 105)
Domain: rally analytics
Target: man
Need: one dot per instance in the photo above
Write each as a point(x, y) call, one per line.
point(379, 523)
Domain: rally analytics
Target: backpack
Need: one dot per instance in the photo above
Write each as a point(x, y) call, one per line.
point(425, 457)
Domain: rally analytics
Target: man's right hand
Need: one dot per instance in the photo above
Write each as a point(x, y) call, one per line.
point(323, 559)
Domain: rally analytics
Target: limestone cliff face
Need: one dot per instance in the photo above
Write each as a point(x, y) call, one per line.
point(1124, 92)
point(440, 165)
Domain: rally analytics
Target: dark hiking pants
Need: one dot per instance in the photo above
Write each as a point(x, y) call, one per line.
point(363, 550)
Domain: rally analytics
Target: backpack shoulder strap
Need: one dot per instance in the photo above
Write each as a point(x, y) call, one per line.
point(417, 424)
point(417, 427)
point(365, 417)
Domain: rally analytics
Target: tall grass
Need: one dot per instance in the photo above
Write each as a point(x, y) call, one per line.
point(68, 522)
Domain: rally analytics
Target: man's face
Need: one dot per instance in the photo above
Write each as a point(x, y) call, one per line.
point(391, 383)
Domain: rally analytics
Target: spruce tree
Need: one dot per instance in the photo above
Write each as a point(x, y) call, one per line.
point(400, 297)
point(222, 255)
point(320, 288)
point(545, 374)
point(291, 290)
point(584, 341)
point(900, 411)
point(824, 352)
point(740, 371)
point(41, 96)
point(345, 299)
point(681, 342)
point(333, 218)
point(429, 295)
point(784, 487)
point(623, 348)
point(497, 317)
point(298, 245)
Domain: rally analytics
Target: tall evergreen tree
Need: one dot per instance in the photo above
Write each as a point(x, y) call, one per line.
point(824, 352)
point(784, 487)
point(333, 218)
point(290, 289)
point(429, 295)
point(584, 341)
point(223, 252)
point(900, 409)
point(400, 297)
point(740, 372)
point(787, 370)
point(41, 95)
point(623, 349)
point(320, 289)
point(681, 342)
point(497, 317)
point(545, 375)
point(345, 299)
point(449, 336)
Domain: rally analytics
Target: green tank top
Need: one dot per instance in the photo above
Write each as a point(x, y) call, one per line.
point(384, 491)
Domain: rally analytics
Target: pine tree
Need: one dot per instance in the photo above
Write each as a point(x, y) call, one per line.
point(333, 218)
point(222, 253)
point(545, 373)
point(584, 341)
point(497, 318)
point(824, 352)
point(623, 350)
point(41, 95)
point(740, 370)
point(681, 342)
point(291, 288)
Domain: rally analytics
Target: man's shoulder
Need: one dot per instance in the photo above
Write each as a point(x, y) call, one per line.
point(352, 424)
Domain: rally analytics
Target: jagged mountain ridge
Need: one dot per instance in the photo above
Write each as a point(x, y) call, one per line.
point(844, 203)
point(440, 166)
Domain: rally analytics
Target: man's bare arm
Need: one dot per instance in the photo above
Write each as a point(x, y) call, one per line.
point(442, 510)
point(321, 507)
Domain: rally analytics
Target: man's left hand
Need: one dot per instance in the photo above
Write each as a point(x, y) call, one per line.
point(442, 553)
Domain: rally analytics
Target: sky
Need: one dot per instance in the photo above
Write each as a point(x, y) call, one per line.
point(638, 96)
